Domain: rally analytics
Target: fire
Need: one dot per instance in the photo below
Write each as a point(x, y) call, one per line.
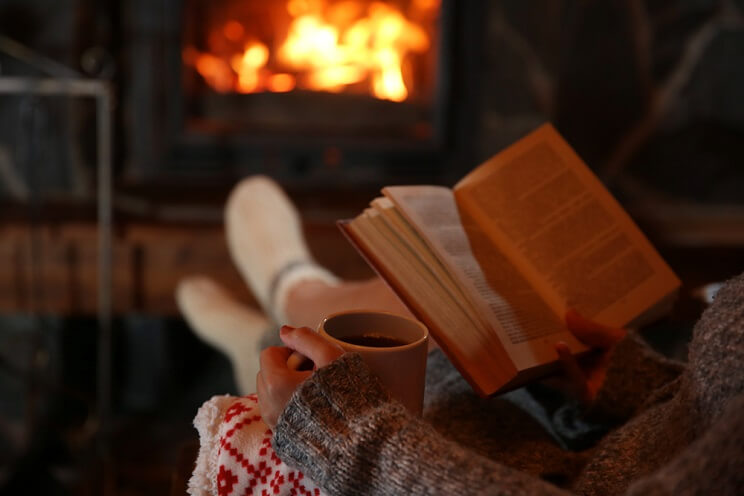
point(328, 46)
point(248, 66)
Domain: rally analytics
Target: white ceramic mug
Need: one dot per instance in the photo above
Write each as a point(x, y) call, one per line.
point(402, 368)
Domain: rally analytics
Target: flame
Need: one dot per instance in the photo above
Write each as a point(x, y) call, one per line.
point(281, 83)
point(215, 71)
point(248, 67)
point(328, 47)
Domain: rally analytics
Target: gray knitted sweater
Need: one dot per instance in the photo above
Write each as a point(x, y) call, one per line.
point(678, 430)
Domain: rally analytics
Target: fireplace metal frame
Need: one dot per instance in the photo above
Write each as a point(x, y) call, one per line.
point(101, 92)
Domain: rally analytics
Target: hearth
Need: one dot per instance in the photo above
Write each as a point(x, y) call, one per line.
point(312, 92)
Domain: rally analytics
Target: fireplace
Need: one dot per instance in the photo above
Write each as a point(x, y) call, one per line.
point(369, 49)
point(312, 92)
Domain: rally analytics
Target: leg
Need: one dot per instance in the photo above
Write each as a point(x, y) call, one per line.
point(226, 324)
point(264, 234)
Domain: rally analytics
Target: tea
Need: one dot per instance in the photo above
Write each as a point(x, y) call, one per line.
point(392, 346)
point(374, 341)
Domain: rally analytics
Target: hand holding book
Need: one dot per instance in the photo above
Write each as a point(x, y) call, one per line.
point(492, 265)
point(586, 375)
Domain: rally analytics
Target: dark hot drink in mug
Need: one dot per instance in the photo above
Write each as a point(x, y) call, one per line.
point(374, 340)
point(394, 348)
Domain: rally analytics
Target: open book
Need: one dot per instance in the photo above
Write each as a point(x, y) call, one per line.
point(492, 265)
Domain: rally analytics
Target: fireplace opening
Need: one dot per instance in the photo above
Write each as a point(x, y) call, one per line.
point(351, 68)
point(379, 49)
point(308, 91)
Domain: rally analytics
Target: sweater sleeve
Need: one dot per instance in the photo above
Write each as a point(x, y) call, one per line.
point(633, 373)
point(345, 433)
point(710, 465)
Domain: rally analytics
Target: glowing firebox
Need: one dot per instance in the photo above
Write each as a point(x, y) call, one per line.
point(375, 48)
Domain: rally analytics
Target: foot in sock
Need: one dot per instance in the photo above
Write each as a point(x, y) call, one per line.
point(264, 236)
point(233, 328)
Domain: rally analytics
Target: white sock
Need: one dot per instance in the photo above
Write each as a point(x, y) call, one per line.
point(264, 235)
point(221, 321)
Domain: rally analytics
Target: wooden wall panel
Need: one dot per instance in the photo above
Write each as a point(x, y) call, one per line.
point(53, 269)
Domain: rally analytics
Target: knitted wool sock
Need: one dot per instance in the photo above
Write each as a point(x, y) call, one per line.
point(264, 235)
point(231, 327)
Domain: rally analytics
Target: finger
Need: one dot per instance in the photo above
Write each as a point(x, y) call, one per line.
point(260, 386)
point(274, 359)
point(261, 394)
point(264, 401)
point(573, 371)
point(298, 361)
point(591, 333)
point(596, 376)
point(310, 344)
point(274, 392)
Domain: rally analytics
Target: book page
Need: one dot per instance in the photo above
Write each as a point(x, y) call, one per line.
point(474, 353)
point(562, 229)
point(397, 224)
point(511, 308)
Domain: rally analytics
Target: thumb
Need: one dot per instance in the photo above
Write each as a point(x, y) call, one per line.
point(310, 344)
point(576, 376)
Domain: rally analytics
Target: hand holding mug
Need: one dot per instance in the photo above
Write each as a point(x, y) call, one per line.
point(392, 346)
point(277, 380)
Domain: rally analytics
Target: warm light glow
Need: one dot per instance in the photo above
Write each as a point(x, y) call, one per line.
point(333, 78)
point(234, 31)
point(254, 58)
point(215, 71)
point(426, 4)
point(310, 44)
point(329, 46)
point(281, 83)
point(389, 82)
point(256, 55)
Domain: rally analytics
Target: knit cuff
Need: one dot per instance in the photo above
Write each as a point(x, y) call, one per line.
point(633, 373)
point(327, 414)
